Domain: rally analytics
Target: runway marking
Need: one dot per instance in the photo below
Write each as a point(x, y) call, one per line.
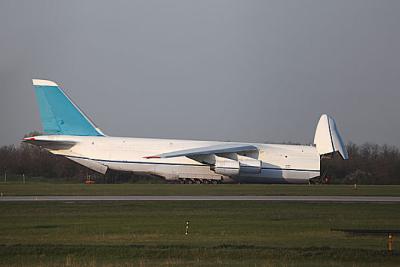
point(321, 199)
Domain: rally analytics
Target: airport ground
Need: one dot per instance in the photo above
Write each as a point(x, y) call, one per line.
point(221, 233)
point(71, 189)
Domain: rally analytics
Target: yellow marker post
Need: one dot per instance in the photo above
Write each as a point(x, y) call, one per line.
point(387, 232)
point(390, 243)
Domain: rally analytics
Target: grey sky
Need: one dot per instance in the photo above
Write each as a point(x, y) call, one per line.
point(211, 70)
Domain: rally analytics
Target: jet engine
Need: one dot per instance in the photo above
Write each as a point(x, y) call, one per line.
point(242, 166)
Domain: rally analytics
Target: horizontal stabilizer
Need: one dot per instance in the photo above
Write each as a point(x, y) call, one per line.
point(50, 144)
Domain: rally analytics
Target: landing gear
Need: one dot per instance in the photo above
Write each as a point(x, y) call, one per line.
point(198, 181)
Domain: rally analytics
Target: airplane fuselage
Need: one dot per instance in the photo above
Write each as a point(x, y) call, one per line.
point(279, 163)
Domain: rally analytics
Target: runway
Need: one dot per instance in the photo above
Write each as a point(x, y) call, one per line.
point(304, 199)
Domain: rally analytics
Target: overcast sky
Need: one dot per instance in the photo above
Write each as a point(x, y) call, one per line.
point(210, 70)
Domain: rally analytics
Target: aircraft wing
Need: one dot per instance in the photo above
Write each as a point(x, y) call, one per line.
point(208, 150)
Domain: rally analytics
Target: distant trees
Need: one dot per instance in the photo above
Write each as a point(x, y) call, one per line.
point(368, 164)
point(7, 159)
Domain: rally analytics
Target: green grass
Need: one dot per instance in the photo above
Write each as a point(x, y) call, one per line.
point(221, 233)
point(37, 189)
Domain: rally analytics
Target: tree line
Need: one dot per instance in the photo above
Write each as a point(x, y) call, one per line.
point(368, 164)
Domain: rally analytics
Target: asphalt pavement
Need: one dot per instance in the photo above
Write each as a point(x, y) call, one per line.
point(317, 199)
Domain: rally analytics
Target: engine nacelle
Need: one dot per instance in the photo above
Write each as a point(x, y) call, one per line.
point(227, 167)
point(242, 166)
point(250, 165)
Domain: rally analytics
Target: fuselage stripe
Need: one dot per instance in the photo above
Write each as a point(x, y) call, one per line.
point(182, 164)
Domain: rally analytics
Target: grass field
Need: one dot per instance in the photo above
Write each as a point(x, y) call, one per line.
point(220, 234)
point(37, 189)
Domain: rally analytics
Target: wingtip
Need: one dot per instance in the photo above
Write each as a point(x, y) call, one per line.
point(40, 82)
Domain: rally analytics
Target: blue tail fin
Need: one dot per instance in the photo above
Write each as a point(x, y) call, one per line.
point(59, 115)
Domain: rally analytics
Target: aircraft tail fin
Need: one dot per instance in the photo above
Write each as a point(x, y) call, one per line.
point(58, 114)
point(327, 137)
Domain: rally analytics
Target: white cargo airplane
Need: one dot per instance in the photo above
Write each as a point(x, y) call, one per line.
point(70, 133)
